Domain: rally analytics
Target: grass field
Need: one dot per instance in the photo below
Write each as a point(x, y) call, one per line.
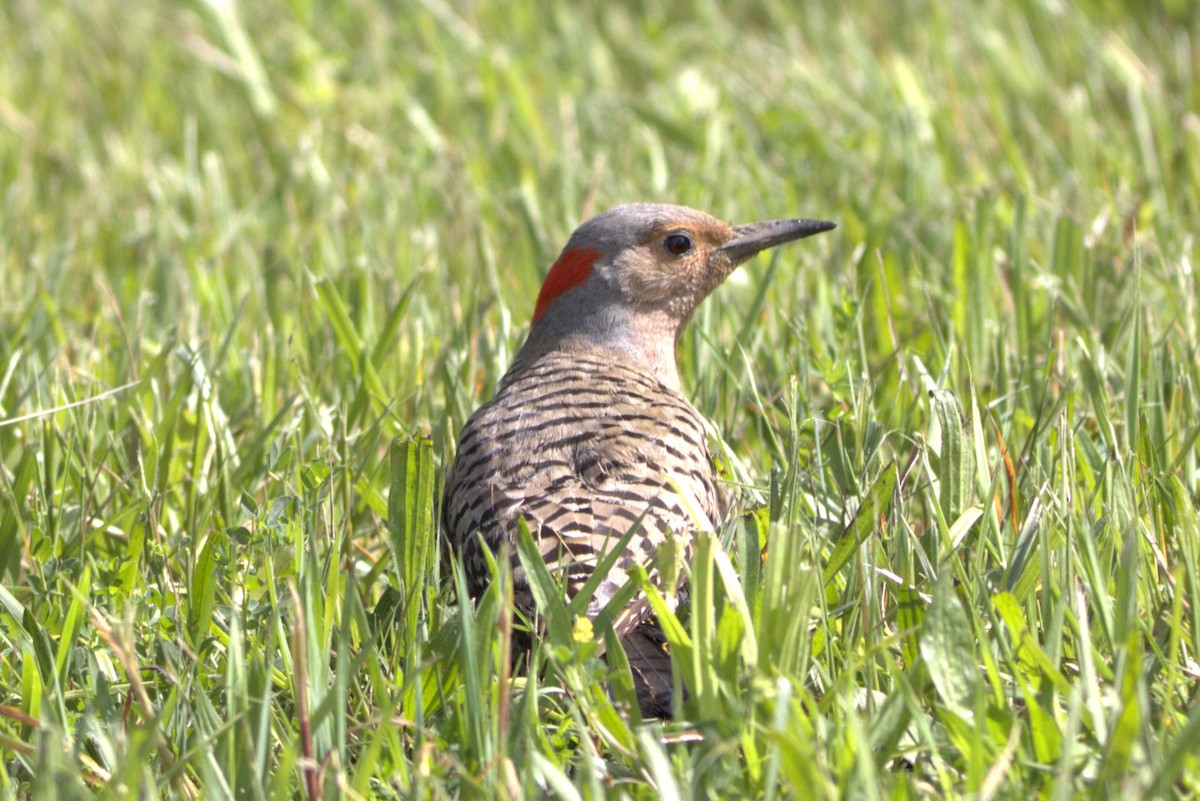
point(259, 261)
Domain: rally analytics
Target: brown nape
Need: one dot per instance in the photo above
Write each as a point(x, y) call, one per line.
point(589, 434)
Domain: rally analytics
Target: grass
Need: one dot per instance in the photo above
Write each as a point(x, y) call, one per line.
point(260, 261)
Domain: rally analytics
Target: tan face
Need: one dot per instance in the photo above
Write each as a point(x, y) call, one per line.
point(656, 262)
point(675, 266)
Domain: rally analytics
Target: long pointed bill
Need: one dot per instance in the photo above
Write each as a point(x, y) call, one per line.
point(751, 238)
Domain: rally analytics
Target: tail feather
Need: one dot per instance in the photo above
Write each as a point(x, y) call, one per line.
point(650, 663)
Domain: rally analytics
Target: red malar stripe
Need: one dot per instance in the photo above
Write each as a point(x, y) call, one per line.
point(571, 270)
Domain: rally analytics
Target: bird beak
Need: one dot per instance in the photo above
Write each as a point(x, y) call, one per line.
point(751, 238)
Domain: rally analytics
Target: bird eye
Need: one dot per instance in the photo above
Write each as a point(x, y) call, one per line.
point(678, 244)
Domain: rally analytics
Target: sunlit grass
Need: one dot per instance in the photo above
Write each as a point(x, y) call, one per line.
point(245, 247)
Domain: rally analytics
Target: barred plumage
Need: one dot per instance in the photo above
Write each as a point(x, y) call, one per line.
point(582, 447)
point(588, 433)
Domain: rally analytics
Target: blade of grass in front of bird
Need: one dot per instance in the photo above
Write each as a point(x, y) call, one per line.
point(703, 627)
point(548, 593)
point(600, 572)
point(476, 669)
point(659, 766)
point(410, 522)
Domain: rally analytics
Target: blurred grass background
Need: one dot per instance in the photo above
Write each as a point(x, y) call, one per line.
point(288, 232)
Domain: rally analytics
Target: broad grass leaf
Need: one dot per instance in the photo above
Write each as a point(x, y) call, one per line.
point(948, 647)
point(414, 538)
point(202, 598)
point(864, 522)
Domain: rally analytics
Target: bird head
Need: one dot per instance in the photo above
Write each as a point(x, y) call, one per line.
point(630, 278)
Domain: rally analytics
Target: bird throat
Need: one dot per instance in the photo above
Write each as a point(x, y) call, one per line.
point(572, 269)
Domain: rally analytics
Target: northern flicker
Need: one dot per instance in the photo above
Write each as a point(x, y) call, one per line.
point(588, 432)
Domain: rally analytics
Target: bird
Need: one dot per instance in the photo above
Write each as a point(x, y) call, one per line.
point(589, 433)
